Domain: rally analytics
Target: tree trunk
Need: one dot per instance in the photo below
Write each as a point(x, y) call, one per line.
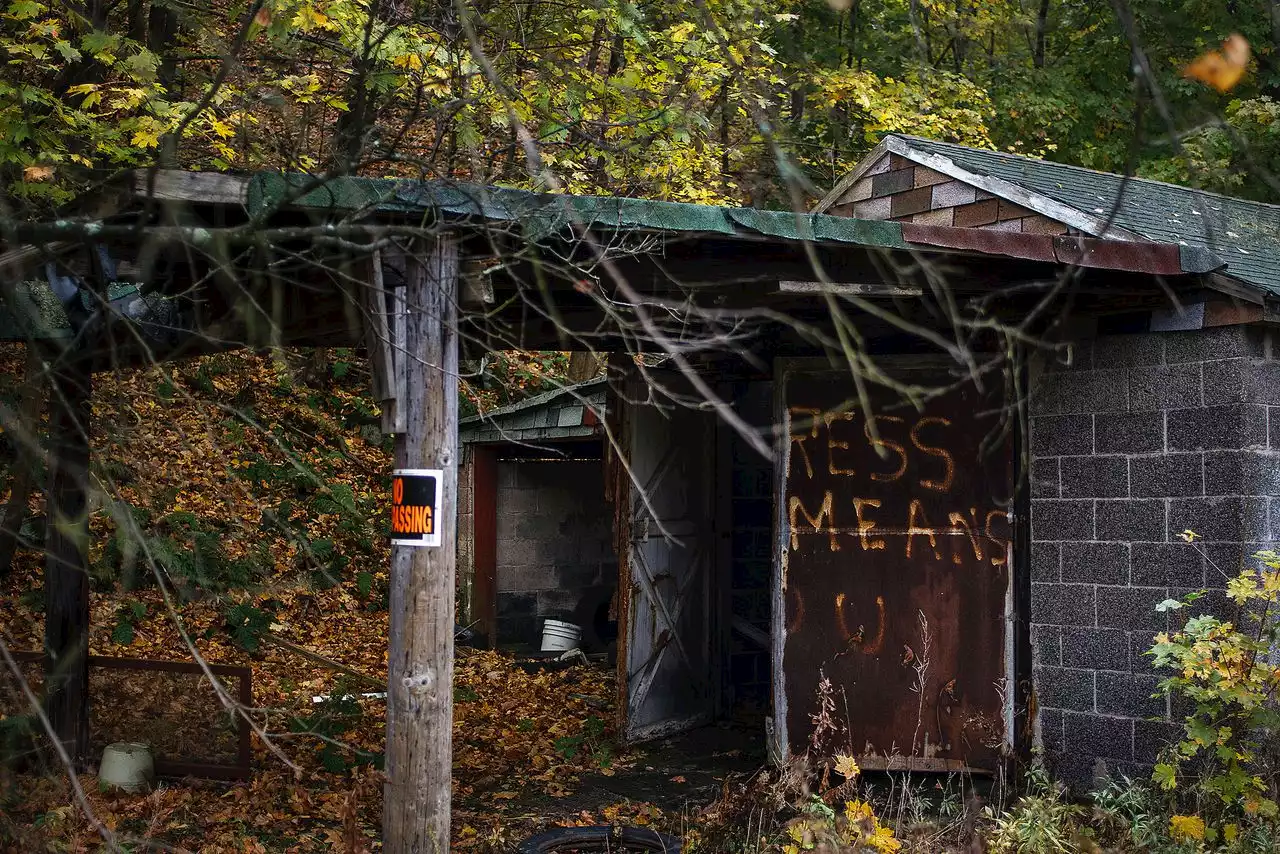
point(420, 688)
point(1042, 32)
point(22, 473)
point(583, 365)
point(355, 129)
point(1267, 62)
point(66, 576)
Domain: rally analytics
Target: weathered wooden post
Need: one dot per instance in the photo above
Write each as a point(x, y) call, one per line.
point(419, 754)
point(66, 575)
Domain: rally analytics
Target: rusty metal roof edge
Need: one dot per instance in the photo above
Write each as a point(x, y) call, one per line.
point(1034, 247)
point(1124, 255)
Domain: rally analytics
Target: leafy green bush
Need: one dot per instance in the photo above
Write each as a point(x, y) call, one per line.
point(128, 615)
point(247, 624)
point(1131, 813)
point(188, 555)
point(1222, 669)
point(1042, 822)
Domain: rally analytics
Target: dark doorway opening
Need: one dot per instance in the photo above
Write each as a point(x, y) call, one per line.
point(554, 556)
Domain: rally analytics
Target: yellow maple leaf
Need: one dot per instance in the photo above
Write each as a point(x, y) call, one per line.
point(408, 60)
point(847, 766)
point(1185, 827)
point(146, 139)
point(310, 18)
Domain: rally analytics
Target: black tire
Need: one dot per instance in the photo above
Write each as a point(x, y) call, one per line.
point(600, 838)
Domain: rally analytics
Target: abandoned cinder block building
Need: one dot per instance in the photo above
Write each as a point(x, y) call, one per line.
point(922, 456)
point(1160, 422)
point(971, 573)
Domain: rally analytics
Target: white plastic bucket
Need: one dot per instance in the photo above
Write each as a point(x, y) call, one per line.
point(559, 636)
point(126, 765)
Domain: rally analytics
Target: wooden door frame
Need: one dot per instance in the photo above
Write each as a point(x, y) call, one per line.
point(619, 485)
point(721, 580)
point(618, 490)
point(484, 540)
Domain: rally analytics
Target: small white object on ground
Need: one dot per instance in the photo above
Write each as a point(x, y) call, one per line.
point(374, 695)
point(127, 765)
point(559, 636)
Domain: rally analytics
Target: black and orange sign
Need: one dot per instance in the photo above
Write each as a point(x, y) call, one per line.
point(415, 507)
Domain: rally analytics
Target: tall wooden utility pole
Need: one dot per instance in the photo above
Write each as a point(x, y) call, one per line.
point(419, 754)
point(66, 574)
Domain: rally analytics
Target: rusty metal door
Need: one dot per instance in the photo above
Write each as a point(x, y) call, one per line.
point(665, 667)
point(893, 580)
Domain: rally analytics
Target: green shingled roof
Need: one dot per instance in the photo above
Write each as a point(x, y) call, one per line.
point(1246, 235)
point(553, 415)
point(540, 215)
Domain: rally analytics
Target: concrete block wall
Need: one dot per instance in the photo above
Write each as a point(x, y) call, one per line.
point(1140, 438)
point(555, 546)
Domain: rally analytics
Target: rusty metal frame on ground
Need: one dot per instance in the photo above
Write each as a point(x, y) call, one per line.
point(242, 769)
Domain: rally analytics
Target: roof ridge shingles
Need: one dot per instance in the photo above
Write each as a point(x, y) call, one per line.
point(1243, 233)
point(1029, 158)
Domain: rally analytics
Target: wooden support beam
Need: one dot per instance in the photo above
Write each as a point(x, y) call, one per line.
point(484, 546)
point(175, 185)
point(66, 576)
point(419, 754)
point(863, 289)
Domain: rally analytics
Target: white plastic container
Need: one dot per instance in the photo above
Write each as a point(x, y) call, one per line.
point(127, 765)
point(558, 636)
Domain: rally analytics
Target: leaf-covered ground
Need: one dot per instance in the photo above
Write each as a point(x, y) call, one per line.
point(516, 735)
point(256, 487)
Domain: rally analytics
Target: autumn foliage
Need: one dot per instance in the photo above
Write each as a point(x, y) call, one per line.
point(240, 500)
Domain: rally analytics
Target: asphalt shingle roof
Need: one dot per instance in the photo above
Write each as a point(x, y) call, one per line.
point(1244, 234)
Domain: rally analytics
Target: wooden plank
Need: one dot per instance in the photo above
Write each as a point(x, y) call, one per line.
point(617, 484)
point(757, 636)
point(862, 289)
point(720, 605)
point(378, 339)
point(669, 668)
point(1230, 287)
point(419, 747)
point(176, 185)
point(484, 547)
point(776, 734)
point(1229, 312)
point(477, 290)
point(19, 264)
point(401, 361)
